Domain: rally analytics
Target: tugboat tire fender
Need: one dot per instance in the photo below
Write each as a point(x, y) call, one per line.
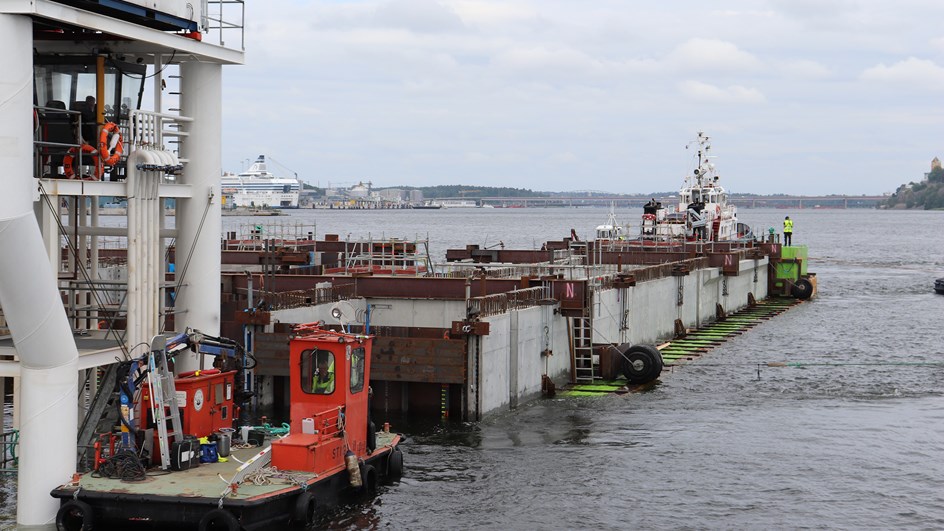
point(218, 519)
point(369, 476)
point(371, 436)
point(394, 465)
point(305, 509)
point(74, 515)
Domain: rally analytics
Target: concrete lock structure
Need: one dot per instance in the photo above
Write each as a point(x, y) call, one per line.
point(488, 330)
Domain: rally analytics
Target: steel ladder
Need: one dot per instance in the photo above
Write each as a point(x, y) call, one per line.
point(164, 404)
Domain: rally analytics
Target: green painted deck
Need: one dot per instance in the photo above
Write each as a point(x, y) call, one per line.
point(694, 345)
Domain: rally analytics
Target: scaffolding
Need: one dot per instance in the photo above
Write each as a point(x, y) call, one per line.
point(391, 256)
point(281, 233)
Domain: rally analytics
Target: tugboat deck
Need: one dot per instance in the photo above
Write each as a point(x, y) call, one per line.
point(208, 480)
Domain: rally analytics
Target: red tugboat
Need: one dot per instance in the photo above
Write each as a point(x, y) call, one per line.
point(332, 453)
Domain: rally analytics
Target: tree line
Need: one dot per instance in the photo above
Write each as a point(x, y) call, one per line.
point(452, 191)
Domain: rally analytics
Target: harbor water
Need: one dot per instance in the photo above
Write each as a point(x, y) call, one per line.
point(851, 435)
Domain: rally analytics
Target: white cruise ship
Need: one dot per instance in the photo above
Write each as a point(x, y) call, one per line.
point(257, 187)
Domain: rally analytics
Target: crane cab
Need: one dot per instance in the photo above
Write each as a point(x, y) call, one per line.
point(329, 400)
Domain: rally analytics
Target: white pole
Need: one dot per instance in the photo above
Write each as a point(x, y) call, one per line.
point(30, 299)
point(198, 301)
point(134, 287)
point(154, 250)
point(94, 258)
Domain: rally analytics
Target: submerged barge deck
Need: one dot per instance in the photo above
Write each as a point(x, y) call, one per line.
point(692, 346)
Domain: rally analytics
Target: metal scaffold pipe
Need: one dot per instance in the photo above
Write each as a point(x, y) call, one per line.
point(30, 299)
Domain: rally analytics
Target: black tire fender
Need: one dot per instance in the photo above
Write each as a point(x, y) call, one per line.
point(394, 465)
point(75, 515)
point(371, 436)
point(305, 509)
point(641, 364)
point(369, 478)
point(802, 289)
point(218, 520)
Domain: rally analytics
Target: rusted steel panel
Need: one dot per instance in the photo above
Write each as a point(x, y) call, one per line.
point(256, 317)
point(728, 262)
point(510, 256)
point(478, 328)
point(278, 257)
point(571, 293)
point(418, 360)
point(271, 353)
point(393, 287)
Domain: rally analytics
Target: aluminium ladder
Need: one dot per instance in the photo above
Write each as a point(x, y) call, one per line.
point(164, 404)
point(581, 335)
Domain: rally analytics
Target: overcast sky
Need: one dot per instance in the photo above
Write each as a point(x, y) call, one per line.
point(799, 96)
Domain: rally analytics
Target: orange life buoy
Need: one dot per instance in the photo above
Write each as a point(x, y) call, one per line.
point(70, 156)
point(109, 144)
point(718, 210)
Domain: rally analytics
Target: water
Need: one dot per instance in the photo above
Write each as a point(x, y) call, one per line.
point(712, 445)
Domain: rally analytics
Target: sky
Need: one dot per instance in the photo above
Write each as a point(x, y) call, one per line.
point(806, 97)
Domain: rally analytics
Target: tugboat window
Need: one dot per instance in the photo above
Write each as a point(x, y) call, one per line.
point(317, 371)
point(357, 370)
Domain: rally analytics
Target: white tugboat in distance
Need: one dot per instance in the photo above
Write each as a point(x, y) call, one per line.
point(703, 212)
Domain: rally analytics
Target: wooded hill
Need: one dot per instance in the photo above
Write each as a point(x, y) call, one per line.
point(927, 194)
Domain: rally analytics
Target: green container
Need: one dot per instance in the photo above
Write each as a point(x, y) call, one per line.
point(787, 269)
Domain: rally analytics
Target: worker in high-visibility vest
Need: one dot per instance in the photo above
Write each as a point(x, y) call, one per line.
point(787, 231)
point(323, 382)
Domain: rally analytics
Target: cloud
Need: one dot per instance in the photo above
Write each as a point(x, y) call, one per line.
point(912, 73)
point(712, 55)
point(494, 13)
point(542, 93)
point(805, 69)
point(937, 44)
point(565, 157)
point(705, 92)
point(541, 58)
point(418, 16)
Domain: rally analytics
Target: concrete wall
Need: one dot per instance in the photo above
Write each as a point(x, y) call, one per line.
point(310, 314)
point(386, 312)
point(512, 362)
point(494, 359)
point(416, 312)
point(652, 305)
